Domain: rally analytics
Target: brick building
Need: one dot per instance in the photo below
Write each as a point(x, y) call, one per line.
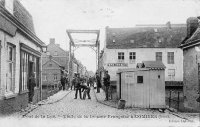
point(20, 56)
point(59, 58)
point(58, 54)
point(51, 72)
point(191, 65)
point(54, 63)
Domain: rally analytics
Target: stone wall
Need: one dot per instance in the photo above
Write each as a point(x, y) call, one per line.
point(191, 60)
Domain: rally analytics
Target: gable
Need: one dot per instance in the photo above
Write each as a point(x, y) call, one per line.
point(195, 38)
point(50, 65)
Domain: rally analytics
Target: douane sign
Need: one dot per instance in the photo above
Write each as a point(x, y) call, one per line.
point(117, 64)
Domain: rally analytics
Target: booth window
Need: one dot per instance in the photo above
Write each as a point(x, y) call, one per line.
point(139, 79)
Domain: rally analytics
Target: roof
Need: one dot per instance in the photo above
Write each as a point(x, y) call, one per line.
point(20, 19)
point(192, 40)
point(145, 37)
point(23, 15)
point(151, 65)
point(131, 70)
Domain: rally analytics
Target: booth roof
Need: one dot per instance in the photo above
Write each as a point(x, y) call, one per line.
point(154, 64)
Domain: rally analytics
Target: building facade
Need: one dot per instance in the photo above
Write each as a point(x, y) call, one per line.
point(191, 65)
point(51, 73)
point(20, 57)
point(57, 53)
point(125, 47)
point(54, 64)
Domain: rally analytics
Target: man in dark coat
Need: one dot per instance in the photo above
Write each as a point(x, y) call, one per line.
point(98, 81)
point(106, 81)
point(31, 85)
point(77, 86)
point(62, 80)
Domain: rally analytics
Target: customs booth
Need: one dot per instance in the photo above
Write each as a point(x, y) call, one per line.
point(144, 86)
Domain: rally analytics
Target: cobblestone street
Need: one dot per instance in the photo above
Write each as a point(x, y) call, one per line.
point(69, 108)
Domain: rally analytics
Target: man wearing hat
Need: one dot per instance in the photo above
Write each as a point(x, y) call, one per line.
point(98, 81)
point(77, 86)
point(106, 81)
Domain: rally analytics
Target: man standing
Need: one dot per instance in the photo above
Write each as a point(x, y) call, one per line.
point(78, 86)
point(98, 81)
point(62, 80)
point(106, 81)
point(31, 85)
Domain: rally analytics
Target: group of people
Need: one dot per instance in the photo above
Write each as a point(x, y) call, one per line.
point(80, 85)
point(83, 85)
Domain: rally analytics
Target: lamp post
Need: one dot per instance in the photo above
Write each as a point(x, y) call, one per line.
point(44, 50)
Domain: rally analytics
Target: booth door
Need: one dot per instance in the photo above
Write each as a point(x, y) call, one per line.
point(127, 87)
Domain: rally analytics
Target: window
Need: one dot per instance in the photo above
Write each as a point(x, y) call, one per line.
point(170, 57)
point(55, 53)
point(10, 66)
point(55, 77)
point(44, 77)
point(29, 64)
point(120, 56)
point(24, 70)
point(132, 57)
point(139, 79)
point(158, 56)
point(171, 74)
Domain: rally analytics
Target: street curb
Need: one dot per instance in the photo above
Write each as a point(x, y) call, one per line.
point(102, 102)
point(26, 113)
point(59, 99)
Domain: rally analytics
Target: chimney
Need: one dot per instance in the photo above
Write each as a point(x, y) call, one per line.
point(52, 40)
point(192, 25)
point(9, 5)
point(168, 24)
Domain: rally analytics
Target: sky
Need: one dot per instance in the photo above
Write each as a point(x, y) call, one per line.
point(53, 17)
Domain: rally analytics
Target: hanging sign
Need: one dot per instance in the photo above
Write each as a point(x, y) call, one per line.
point(117, 64)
